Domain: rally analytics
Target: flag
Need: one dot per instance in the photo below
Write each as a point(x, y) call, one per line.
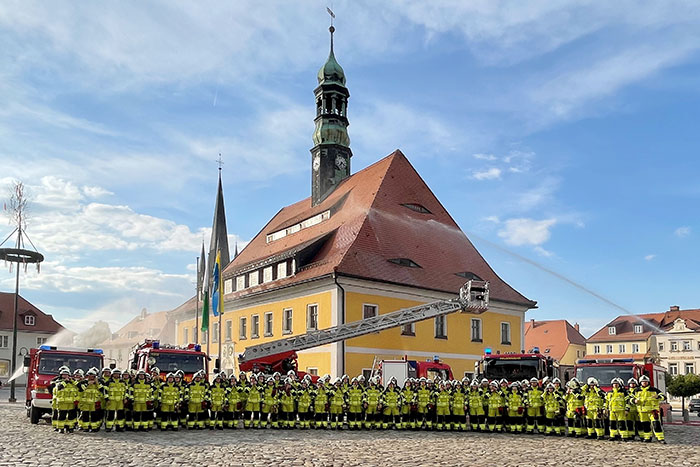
point(201, 271)
point(205, 305)
point(217, 296)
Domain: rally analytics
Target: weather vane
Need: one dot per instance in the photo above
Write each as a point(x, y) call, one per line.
point(330, 12)
point(220, 161)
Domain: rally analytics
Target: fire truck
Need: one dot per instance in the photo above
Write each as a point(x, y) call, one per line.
point(281, 355)
point(516, 366)
point(604, 370)
point(404, 369)
point(41, 366)
point(190, 359)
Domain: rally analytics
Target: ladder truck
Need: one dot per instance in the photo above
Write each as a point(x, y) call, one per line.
point(281, 355)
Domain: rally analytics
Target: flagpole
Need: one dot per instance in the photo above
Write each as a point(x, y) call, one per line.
point(196, 309)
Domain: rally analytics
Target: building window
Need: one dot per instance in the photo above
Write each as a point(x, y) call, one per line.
point(638, 329)
point(367, 373)
point(611, 330)
point(215, 333)
point(312, 317)
point(578, 353)
point(689, 368)
point(635, 348)
point(417, 207)
point(674, 346)
point(621, 348)
point(5, 368)
point(242, 328)
point(596, 349)
point(229, 330)
point(468, 275)
point(312, 371)
point(255, 326)
point(282, 270)
point(673, 368)
point(240, 282)
point(505, 333)
point(287, 321)
point(185, 336)
point(661, 346)
point(195, 334)
point(268, 323)
point(228, 286)
point(369, 311)
point(40, 341)
point(29, 320)
point(440, 327)
point(608, 348)
point(476, 330)
point(267, 274)
point(4, 342)
point(253, 278)
point(686, 346)
point(408, 329)
point(404, 262)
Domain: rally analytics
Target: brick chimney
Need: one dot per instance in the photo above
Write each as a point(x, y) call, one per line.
point(674, 308)
point(532, 323)
point(576, 327)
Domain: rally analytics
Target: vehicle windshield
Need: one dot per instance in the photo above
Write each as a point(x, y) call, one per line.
point(512, 370)
point(50, 363)
point(604, 373)
point(169, 362)
point(433, 373)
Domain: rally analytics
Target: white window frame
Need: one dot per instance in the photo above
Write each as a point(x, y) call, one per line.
point(243, 327)
point(228, 286)
point(267, 274)
point(612, 330)
point(370, 305)
point(41, 341)
point(661, 346)
point(285, 329)
point(480, 338)
point(635, 348)
point(282, 270)
point(673, 368)
point(638, 329)
point(29, 320)
point(253, 278)
point(687, 346)
point(608, 348)
point(214, 333)
point(408, 330)
point(186, 336)
point(508, 328)
point(596, 349)
point(309, 307)
point(691, 366)
point(228, 334)
point(313, 371)
point(240, 282)
point(621, 348)
point(269, 320)
point(255, 326)
point(442, 318)
point(674, 346)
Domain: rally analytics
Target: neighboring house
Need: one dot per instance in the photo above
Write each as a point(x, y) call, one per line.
point(144, 326)
point(627, 336)
point(678, 348)
point(363, 244)
point(34, 328)
point(557, 339)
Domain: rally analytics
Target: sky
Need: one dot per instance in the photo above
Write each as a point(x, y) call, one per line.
point(561, 136)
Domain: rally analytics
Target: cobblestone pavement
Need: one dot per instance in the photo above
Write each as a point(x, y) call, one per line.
point(24, 444)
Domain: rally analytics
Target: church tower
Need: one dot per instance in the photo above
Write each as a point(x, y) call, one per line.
point(330, 156)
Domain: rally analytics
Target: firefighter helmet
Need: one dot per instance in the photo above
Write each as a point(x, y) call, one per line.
point(484, 381)
point(592, 381)
point(92, 372)
point(155, 370)
point(180, 373)
point(573, 384)
point(116, 371)
point(632, 381)
point(336, 380)
point(493, 384)
point(169, 375)
point(644, 379)
point(361, 378)
point(79, 372)
point(64, 370)
point(556, 380)
point(502, 381)
point(616, 380)
point(474, 384)
point(550, 386)
point(141, 372)
point(534, 380)
point(514, 385)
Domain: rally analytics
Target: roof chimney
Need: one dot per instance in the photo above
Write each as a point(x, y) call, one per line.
point(675, 308)
point(532, 323)
point(144, 313)
point(576, 327)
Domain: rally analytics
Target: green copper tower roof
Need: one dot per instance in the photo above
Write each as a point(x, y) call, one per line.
point(331, 71)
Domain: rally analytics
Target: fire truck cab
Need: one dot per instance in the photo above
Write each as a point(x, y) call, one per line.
point(404, 369)
point(516, 366)
point(281, 362)
point(41, 366)
point(605, 369)
point(168, 358)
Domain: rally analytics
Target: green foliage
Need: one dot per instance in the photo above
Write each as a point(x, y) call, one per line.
point(683, 385)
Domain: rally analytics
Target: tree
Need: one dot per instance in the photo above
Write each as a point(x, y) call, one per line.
point(683, 386)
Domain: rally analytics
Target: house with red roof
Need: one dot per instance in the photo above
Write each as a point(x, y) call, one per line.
point(557, 339)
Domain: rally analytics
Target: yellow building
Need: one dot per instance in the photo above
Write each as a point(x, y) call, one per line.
point(557, 339)
point(366, 243)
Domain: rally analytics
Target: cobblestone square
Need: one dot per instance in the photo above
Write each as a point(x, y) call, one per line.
point(22, 443)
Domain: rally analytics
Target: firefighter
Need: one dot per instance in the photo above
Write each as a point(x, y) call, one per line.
point(458, 404)
point(535, 408)
point(648, 401)
point(391, 401)
point(179, 377)
point(218, 395)
point(169, 396)
point(616, 409)
point(232, 404)
point(157, 382)
point(90, 400)
point(424, 399)
point(338, 402)
point(408, 405)
point(270, 404)
point(594, 403)
point(515, 404)
point(552, 402)
point(304, 398)
point(253, 401)
point(321, 404)
point(575, 408)
point(442, 406)
point(372, 404)
point(496, 403)
point(141, 396)
point(64, 393)
point(477, 416)
point(632, 419)
point(287, 404)
point(355, 395)
point(197, 398)
point(115, 396)
point(128, 403)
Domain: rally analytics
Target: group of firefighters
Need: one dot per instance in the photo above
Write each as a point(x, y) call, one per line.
point(136, 400)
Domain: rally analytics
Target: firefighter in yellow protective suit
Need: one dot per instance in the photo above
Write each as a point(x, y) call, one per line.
point(218, 392)
point(632, 418)
point(90, 400)
point(321, 404)
point(355, 395)
point(424, 401)
point(233, 403)
point(197, 398)
point(338, 401)
point(270, 404)
point(253, 401)
point(477, 415)
point(372, 403)
point(115, 396)
point(442, 406)
point(304, 397)
point(594, 403)
point(287, 404)
point(515, 405)
point(535, 408)
point(141, 395)
point(391, 401)
point(496, 404)
point(553, 403)
point(616, 409)
point(408, 405)
point(169, 403)
point(65, 395)
point(575, 401)
point(458, 406)
point(648, 400)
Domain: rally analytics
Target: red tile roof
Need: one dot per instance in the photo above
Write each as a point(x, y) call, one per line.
point(652, 324)
point(554, 335)
point(43, 323)
point(368, 226)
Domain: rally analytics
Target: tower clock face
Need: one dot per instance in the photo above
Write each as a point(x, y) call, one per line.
point(340, 162)
point(316, 163)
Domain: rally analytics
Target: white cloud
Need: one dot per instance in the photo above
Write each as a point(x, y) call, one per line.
point(485, 157)
point(649, 257)
point(682, 232)
point(523, 231)
point(539, 195)
point(493, 219)
point(493, 173)
point(541, 251)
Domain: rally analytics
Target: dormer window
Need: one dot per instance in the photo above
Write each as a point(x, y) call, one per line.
point(468, 275)
point(404, 262)
point(611, 330)
point(29, 320)
point(417, 207)
point(638, 329)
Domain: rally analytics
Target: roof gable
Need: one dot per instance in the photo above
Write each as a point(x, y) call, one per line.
point(553, 337)
point(42, 322)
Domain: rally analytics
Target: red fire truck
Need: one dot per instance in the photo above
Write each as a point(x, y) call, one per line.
point(404, 369)
point(190, 359)
point(41, 366)
point(516, 366)
point(604, 370)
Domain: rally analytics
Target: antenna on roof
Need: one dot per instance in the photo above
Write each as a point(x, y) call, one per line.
point(220, 161)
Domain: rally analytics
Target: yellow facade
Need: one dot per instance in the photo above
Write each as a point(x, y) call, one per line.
point(573, 353)
point(604, 350)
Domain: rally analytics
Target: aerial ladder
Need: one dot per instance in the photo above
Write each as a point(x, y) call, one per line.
point(280, 355)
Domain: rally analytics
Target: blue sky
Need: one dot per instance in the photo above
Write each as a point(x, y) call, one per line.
point(565, 132)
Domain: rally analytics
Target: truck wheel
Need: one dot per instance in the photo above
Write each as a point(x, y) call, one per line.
point(34, 415)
